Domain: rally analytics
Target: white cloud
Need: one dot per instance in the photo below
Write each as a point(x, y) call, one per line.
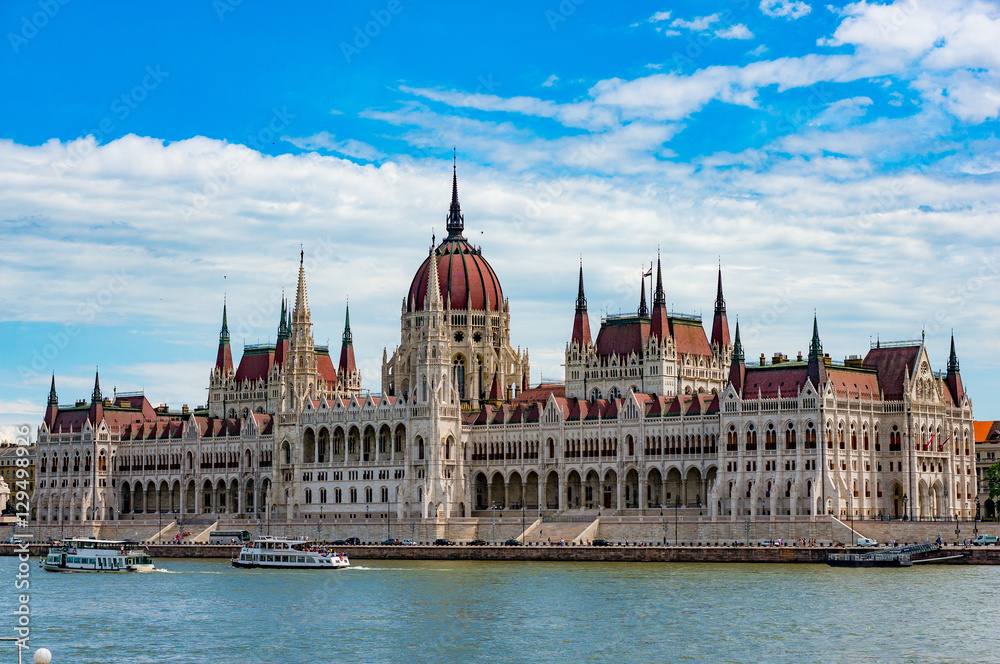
point(550, 81)
point(667, 32)
point(695, 25)
point(842, 112)
point(738, 31)
point(327, 142)
point(791, 9)
point(659, 16)
point(760, 50)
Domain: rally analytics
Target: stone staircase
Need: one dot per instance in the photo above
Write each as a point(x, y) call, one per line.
point(569, 527)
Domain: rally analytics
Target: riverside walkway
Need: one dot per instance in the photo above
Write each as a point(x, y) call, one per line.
point(678, 554)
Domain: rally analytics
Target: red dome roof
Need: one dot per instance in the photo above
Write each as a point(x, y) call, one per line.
point(463, 274)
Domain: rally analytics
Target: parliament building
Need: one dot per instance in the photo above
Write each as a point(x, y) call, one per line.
point(654, 412)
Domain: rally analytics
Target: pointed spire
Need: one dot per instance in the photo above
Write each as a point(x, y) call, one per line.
point(456, 221)
point(720, 324)
point(347, 325)
point(659, 297)
point(95, 397)
point(283, 331)
point(953, 380)
point(53, 399)
point(737, 368)
point(301, 298)
point(224, 333)
point(432, 298)
point(347, 365)
point(224, 358)
point(660, 327)
point(581, 322)
point(643, 309)
point(816, 369)
point(738, 355)
point(953, 358)
point(815, 347)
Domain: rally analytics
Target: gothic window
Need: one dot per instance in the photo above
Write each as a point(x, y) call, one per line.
point(354, 495)
point(458, 375)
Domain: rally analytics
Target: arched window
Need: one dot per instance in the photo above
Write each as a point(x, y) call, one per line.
point(368, 494)
point(790, 437)
point(458, 375)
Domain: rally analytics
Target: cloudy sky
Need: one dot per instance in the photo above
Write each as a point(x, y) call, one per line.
point(156, 158)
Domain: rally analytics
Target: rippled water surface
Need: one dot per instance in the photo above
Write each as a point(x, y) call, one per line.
point(206, 611)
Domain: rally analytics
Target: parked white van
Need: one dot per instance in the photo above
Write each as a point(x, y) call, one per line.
point(864, 541)
point(983, 540)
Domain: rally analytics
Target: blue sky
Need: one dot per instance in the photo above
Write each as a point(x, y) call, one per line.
point(158, 157)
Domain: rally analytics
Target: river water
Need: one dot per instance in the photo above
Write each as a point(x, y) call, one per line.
point(441, 611)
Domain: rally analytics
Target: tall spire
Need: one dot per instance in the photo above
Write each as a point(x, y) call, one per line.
point(456, 221)
point(581, 322)
point(737, 368)
point(224, 332)
point(52, 408)
point(283, 331)
point(224, 358)
point(659, 297)
point(301, 299)
point(347, 363)
point(953, 358)
point(815, 347)
point(643, 309)
point(953, 380)
point(720, 324)
point(95, 397)
point(817, 363)
point(660, 327)
point(432, 298)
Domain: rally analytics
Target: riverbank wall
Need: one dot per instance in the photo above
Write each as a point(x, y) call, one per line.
point(634, 554)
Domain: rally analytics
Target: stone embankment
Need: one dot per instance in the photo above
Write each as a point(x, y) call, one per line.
point(673, 554)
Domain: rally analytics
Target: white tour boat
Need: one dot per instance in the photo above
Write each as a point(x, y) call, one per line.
point(278, 552)
point(97, 555)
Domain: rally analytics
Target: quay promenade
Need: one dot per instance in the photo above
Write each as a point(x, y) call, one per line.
point(989, 555)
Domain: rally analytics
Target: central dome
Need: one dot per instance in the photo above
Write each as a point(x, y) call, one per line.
point(467, 281)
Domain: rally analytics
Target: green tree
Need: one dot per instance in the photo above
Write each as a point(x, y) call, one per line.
point(991, 480)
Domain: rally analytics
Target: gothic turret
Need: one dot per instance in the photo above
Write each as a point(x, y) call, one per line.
point(224, 358)
point(817, 364)
point(302, 375)
point(643, 308)
point(738, 367)
point(455, 220)
point(52, 408)
point(347, 364)
point(282, 347)
point(720, 326)
point(954, 379)
point(660, 327)
point(581, 323)
point(96, 402)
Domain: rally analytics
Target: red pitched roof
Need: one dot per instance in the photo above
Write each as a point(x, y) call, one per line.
point(892, 365)
point(853, 383)
point(324, 364)
point(255, 363)
point(788, 378)
point(622, 336)
point(690, 337)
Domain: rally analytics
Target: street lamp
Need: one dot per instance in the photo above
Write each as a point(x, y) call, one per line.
point(905, 513)
point(677, 504)
point(664, 523)
point(958, 532)
point(493, 513)
point(975, 526)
